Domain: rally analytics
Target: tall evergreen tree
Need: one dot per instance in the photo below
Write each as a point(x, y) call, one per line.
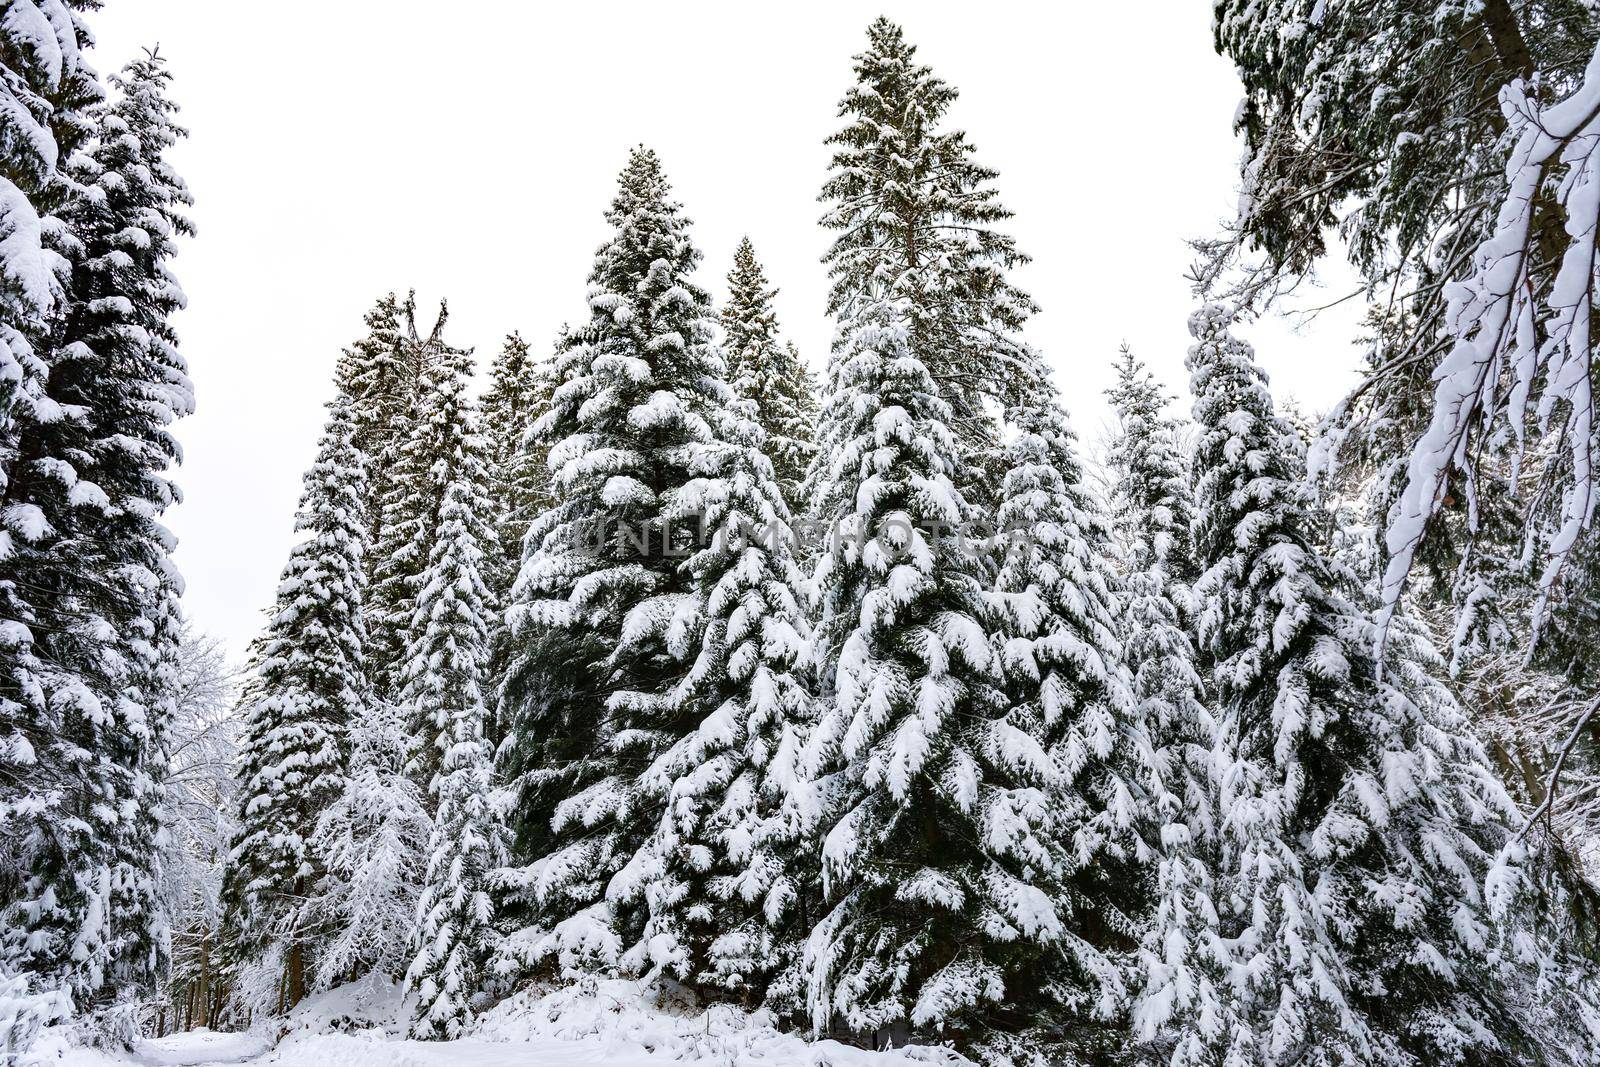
point(520, 391)
point(728, 878)
point(1067, 689)
point(933, 831)
point(1358, 820)
point(308, 683)
point(91, 485)
point(1152, 512)
point(1152, 504)
point(769, 373)
point(435, 445)
point(442, 679)
point(602, 611)
point(916, 217)
point(940, 795)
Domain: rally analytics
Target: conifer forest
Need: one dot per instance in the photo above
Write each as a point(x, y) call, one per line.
point(666, 691)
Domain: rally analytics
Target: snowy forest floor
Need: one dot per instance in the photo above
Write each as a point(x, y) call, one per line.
point(611, 1023)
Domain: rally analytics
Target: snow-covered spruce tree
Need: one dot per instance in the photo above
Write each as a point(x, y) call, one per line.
point(46, 88)
point(728, 879)
point(916, 217)
point(1358, 820)
point(371, 845)
point(1152, 513)
point(768, 372)
point(1068, 691)
point(91, 474)
point(519, 489)
point(935, 843)
point(379, 374)
point(447, 650)
point(602, 614)
point(308, 683)
point(435, 446)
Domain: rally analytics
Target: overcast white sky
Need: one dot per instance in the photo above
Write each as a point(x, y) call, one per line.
point(339, 150)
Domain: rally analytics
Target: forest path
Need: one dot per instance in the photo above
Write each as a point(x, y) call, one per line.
point(202, 1048)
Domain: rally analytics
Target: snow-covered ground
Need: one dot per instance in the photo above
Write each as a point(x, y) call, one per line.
point(607, 1023)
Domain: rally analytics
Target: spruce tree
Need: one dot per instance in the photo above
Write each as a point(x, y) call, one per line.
point(1358, 819)
point(1067, 690)
point(728, 878)
point(603, 610)
point(769, 373)
point(938, 857)
point(91, 484)
point(916, 216)
point(935, 831)
point(519, 393)
point(307, 684)
point(435, 445)
point(442, 678)
point(1152, 513)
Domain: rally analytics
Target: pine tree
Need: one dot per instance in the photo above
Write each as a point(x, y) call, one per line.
point(91, 480)
point(1152, 513)
point(728, 877)
point(602, 612)
point(372, 846)
point(768, 373)
point(447, 650)
point(1358, 819)
point(519, 392)
point(916, 217)
point(308, 684)
point(1067, 689)
point(434, 446)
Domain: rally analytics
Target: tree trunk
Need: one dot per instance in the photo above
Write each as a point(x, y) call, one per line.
point(205, 981)
point(295, 982)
